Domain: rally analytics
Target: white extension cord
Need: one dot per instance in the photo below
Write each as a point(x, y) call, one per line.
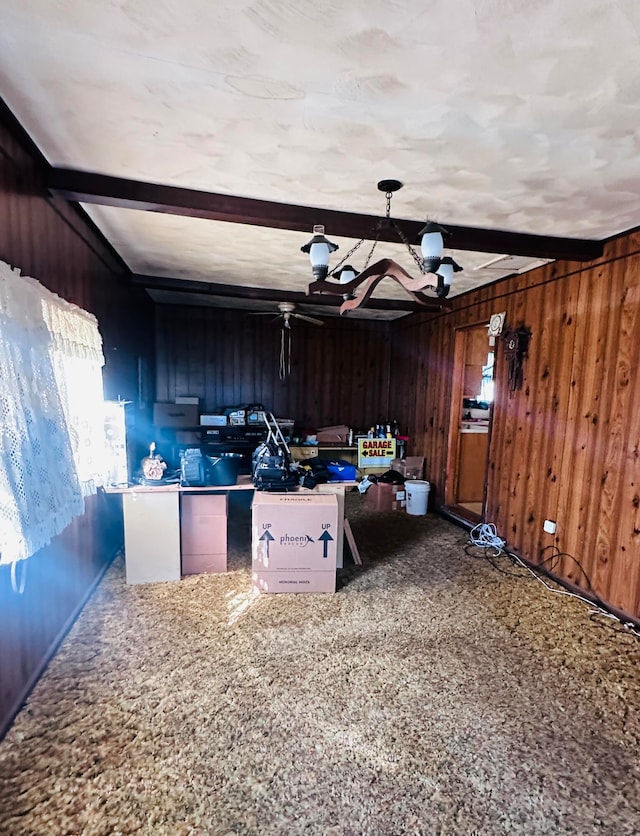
point(485, 535)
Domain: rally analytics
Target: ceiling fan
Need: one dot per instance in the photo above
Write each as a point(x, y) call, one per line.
point(287, 311)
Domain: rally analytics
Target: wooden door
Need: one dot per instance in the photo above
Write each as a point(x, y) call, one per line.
point(469, 424)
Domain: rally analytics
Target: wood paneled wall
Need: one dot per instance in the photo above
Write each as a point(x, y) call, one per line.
point(54, 244)
point(340, 371)
point(565, 447)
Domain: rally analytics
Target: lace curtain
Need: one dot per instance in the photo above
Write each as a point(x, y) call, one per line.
point(76, 350)
point(51, 413)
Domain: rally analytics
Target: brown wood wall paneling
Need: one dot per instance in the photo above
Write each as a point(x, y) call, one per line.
point(49, 240)
point(617, 543)
point(566, 446)
point(339, 371)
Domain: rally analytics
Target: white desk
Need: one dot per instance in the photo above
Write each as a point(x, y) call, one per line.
point(152, 535)
point(152, 526)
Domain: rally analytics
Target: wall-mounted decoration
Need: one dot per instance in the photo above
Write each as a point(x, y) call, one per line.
point(516, 348)
point(496, 324)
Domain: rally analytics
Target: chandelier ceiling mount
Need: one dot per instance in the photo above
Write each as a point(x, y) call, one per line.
point(435, 270)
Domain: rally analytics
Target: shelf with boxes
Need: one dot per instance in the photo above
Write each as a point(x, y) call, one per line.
point(179, 426)
point(410, 467)
point(370, 451)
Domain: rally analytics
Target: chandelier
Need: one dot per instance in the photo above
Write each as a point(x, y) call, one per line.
point(436, 271)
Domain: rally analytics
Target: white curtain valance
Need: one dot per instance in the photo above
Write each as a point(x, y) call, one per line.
point(51, 413)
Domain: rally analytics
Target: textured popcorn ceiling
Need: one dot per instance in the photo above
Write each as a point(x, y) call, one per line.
point(522, 116)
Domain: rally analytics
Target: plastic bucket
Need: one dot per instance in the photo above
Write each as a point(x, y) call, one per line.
point(417, 496)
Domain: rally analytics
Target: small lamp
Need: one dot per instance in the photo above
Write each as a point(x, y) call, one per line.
point(444, 272)
point(431, 244)
point(345, 275)
point(319, 249)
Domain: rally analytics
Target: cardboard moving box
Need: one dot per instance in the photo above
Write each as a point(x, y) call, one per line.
point(382, 496)
point(294, 542)
point(203, 533)
point(175, 415)
point(338, 433)
point(285, 581)
point(411, 467)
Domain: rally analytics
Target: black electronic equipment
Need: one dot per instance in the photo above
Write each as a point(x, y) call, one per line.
point(230, 433)
point(271, 464)
point(198, 470)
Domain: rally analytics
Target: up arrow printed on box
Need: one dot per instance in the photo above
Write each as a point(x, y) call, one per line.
point(325, 537)
point(267, 536)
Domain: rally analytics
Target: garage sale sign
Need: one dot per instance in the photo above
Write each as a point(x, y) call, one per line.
point(376, 452)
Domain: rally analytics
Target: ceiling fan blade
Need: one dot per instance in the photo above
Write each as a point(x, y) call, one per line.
point(310, 319)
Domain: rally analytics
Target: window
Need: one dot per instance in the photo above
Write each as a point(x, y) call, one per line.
point(51, 413)
point(487, 385)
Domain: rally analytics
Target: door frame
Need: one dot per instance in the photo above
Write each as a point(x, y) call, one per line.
point(455, 418)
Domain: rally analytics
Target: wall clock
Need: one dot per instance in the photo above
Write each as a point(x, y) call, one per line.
point(495, 323)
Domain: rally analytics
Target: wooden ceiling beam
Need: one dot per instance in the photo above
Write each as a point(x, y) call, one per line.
point(87, 187)
point(259, 294)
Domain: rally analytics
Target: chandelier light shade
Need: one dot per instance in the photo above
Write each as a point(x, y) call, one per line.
point(436, 272)
point(319, 249)
point(345, 275)
point(431, 245)
point(444, 272)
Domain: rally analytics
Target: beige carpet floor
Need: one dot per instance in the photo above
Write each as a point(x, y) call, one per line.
point(432, 694)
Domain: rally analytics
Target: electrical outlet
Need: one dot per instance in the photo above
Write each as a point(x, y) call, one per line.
point(549, 526)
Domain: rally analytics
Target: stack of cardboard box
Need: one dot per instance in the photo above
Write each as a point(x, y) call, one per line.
point(203, 533)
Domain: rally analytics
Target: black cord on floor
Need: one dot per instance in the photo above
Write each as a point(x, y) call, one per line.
point(556, 556)
point(490, 554)
point(488, 545)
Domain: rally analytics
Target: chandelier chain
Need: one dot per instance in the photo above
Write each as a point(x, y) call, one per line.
point(352, 251)
point(400, 233)
point(373, 246)
point(402, 236)
point(405, 241)
point(346, 257)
